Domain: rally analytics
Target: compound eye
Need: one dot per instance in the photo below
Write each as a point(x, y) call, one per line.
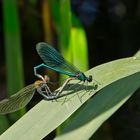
point(90, 78)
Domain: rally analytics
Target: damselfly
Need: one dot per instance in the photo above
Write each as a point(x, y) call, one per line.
point(23, 97)
point(55, 61)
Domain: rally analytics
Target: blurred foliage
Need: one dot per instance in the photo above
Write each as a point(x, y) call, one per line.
point(12, 42)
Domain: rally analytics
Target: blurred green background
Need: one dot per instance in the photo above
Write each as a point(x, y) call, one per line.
point(87, 31)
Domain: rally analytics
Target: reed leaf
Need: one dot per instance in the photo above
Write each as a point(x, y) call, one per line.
point(47, 116)
point(12, 41)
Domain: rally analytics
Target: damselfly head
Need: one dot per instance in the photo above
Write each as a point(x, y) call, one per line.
point(38, 83)
point(46, 78)
point(89, 79)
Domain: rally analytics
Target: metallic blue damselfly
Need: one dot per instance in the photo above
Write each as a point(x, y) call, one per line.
point(55, 61)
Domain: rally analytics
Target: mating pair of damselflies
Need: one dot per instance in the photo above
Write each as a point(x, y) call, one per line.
point(54, 61)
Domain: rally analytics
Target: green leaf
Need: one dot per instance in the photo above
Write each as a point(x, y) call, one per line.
point(47, 115)
point(79, 47)
point(64, 29)
point(3, 124)
point(137, 55)
point(15, 79)
point(100, 108)
point(14, 65)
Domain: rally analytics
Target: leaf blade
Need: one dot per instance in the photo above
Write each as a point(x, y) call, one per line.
point(46, 116)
